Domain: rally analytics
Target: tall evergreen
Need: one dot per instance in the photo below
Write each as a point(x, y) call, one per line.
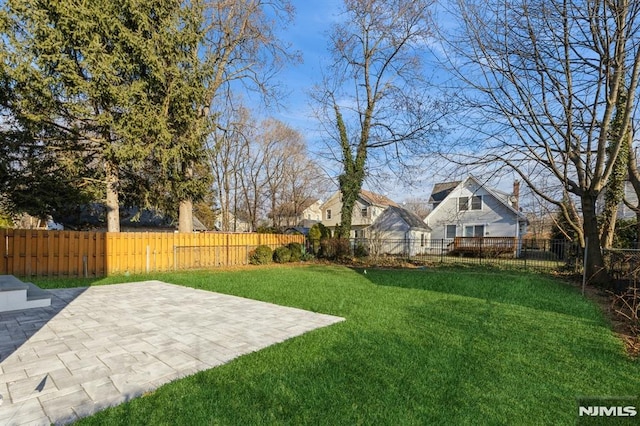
point(100, 80)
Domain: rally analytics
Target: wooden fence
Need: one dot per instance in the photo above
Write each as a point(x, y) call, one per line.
point(93, 254)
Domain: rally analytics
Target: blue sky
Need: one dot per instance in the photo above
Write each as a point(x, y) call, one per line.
point(308, 33)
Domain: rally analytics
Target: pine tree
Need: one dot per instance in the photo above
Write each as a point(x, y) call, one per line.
point(103, 80)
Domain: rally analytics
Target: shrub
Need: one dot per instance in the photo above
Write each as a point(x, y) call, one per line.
point(334, 248)
point(282, 255)
point(317, 233)
point(261, 255)
point(360, 250)
point(296, 250)
point(306, 256)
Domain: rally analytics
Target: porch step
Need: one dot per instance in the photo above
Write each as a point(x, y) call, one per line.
point(16, 295)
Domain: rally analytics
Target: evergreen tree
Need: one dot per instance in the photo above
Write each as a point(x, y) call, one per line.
point(86, 79)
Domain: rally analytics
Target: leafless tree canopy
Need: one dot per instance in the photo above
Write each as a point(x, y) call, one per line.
point(259, 168)
point(374, 102)
point(545, 78)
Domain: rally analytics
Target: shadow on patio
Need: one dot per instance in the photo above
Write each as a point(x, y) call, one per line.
point(17, 327)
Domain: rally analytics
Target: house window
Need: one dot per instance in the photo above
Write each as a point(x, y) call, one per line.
point(363, 211)
point(450, 231)
point(476, 202)
point(328, 214)
point(421, 240)
point(470, 203)
point(474, 231)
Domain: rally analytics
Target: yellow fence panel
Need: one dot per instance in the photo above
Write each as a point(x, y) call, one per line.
point(92, 254)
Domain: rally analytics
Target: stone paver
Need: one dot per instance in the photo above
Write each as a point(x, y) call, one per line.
point(97, 347)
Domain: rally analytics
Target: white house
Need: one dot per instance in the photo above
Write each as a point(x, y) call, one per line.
point(366, 210)
point(468, 208)
point(624, 211)
point(398, 231)
point(301, 214)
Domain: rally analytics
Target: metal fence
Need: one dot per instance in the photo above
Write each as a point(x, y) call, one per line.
point(624, 267)
point(520, 253)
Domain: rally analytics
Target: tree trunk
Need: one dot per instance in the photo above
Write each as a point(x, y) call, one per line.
point(185, 221)
point(609, 227)
point(595, 271)
point(185, 213)
point(112, 203)
point(353, 177)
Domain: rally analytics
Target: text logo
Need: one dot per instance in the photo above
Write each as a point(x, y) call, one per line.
point(607, 411)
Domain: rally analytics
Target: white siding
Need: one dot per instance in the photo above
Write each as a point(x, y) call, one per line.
point(498, 219)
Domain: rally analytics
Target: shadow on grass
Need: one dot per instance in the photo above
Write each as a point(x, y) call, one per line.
point(529, 290)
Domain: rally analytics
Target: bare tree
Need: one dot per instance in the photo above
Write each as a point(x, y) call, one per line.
point(546, 78)
point(374, 96)
point(239, 45)
point(303, 183)
point(227, 149)
point(419, 206)
point(275, 139)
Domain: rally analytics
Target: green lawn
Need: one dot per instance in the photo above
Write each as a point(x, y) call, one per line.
point(466, 346)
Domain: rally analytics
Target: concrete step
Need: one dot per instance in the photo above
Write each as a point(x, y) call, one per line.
point(10, 283)
point(16, 295)
point(36, 293)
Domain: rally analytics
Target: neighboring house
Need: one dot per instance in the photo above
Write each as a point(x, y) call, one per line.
point(132, 219)
point(398, 231)
point(366, 210)
point(303, 214)
point(26, 221)
point(624, 211)
point(468, 208)
point(234, 223)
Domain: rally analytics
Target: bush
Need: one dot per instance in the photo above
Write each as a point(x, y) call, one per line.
point(360, 250)
point(282, 255)
point(261, 255)
point(306, 256)
point(296, 250)
point(334, 248)
point(317, 233)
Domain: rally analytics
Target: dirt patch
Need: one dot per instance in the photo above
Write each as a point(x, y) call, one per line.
point(620, 325)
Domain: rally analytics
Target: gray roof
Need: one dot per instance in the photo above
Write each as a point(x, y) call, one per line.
point(91, 216)
point(410, 218)
point(441, 190)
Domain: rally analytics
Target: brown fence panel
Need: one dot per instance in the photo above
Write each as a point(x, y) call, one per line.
point(91, 254)
point(27, 252)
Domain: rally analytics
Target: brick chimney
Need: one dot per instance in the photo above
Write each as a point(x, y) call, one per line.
point(516, 194)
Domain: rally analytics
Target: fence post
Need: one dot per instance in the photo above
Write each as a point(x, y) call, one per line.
point(175, 258)
point(584, 265)
point(6, 252)
point(442, 250)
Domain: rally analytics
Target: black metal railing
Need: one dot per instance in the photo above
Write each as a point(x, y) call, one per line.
point(525, 253)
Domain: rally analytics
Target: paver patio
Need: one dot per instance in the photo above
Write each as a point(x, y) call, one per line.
point(100, 346)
